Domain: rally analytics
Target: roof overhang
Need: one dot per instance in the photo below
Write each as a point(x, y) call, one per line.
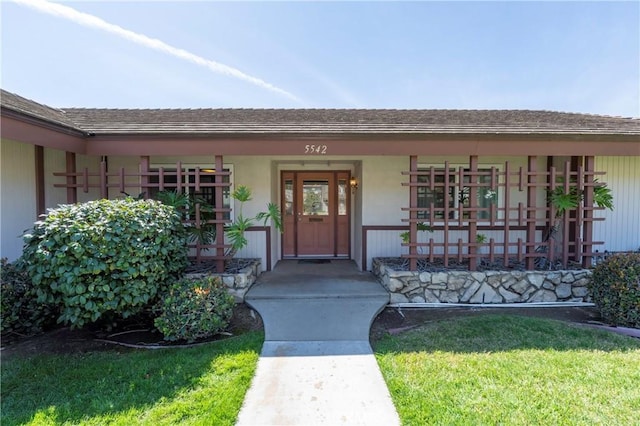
point(366, 145)
point(22, 128)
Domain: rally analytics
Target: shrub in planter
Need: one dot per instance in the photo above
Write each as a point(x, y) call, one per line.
point(194, 309)
point(20, 312)
point(615, 289)
point(105, 257)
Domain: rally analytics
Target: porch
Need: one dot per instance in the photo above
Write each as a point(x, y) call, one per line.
point(305, 300)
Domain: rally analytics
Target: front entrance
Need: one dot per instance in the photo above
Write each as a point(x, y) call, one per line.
point(315, 207)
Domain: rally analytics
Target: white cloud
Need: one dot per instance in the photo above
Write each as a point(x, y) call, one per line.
point(91, 21)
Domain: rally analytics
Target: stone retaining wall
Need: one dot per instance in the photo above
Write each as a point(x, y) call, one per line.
point(239, 283)
point(483, 287)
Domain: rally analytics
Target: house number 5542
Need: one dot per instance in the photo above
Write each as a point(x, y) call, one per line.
point(315, 149)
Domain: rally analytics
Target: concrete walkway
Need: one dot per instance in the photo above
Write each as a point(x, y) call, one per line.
point(316, 365)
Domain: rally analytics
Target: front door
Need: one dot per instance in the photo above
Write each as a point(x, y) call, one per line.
point(316, 220)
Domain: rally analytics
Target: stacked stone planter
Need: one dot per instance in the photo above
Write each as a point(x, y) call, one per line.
point(239, 283)
point(488, 287)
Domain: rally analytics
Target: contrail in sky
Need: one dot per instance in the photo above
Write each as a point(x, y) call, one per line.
point(91, 21)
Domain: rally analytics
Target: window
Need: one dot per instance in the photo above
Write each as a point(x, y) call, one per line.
point(455, 196)
point(188, 180)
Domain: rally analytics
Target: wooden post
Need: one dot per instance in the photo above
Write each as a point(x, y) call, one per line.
point(144, 177)
point(218, 179)
point(473, 214)
point(413, 215)
point(103, 179)
point(40, 199)
point(587, 229)
point(72, 191)
point(507, 212)
point(532, 168)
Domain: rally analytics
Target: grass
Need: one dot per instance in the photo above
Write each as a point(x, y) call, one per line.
point(200, 385)
point(506, 369)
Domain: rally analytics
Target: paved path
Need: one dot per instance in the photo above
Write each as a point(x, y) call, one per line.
point(317, 366)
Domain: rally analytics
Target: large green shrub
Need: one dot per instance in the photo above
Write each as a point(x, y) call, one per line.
point(20, 312)
point(105, 257)
point(615, 289)
point(194, 309)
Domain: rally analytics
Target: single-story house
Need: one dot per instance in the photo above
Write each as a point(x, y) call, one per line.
point(351, 183)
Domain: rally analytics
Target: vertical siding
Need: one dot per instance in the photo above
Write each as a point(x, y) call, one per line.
point(18, 201)
point(54, 161)
point(621, 229)
point(256, 247)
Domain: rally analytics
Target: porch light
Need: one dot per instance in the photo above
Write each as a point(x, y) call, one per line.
point(207, 170)
point(353, 183)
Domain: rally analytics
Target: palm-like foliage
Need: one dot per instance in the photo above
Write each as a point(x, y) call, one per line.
point(235, 231)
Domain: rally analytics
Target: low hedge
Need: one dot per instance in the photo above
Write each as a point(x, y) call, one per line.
point(194, 309)
point(20, 312)
point(615, 289)
point(105, 258)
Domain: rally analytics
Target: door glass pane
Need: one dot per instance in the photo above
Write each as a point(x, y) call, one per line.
point(288, 197)
point(342, 197)
point(315, 197)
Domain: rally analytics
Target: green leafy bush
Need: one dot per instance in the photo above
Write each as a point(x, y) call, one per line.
point(615, 289)
point(20, 312)
point(105, 257)
point(194, 309)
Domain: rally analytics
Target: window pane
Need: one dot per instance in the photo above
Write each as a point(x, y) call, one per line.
point(288, 197)
point(315, 198)
point(342, 197)
point(426, 196)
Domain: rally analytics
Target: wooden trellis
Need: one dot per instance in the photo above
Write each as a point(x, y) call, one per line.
point(504, 214)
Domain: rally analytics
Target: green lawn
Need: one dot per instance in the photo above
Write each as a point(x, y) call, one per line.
point(505, 369)
point(202, 385)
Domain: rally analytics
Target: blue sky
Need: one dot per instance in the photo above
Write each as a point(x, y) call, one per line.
point(563, 56)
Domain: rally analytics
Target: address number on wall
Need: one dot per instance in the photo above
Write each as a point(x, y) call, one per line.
point(315, 149)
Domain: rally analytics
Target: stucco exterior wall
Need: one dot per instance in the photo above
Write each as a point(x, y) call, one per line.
point(18, 200)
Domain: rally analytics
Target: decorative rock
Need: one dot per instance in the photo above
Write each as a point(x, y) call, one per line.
point(494, 280)
point(457, 282)
point(535, 279)
point(509, 297)
point(567, 277)
point(543, 296)
point(563, 291)
point(520, 287)
point(431, 297)
point(417, 299)
point(398, 298)
point(554, 277)
point(228, 280)
point(439, 278)
point(506, 283)
point(470, 292)
point(394, 284)
point(241, 280)
point(481, 287)
point(449, 297)
point(579, 291)
point(410, 286)
point(400, 274)
point(479, 276)
point(425, 277)
point(486, 294)
point(439, 286)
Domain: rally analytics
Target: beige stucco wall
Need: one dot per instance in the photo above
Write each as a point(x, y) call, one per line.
point(17, 195)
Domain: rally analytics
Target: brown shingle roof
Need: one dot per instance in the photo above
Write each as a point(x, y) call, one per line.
point(27, 107)
point(319, 121)
point(345, 121)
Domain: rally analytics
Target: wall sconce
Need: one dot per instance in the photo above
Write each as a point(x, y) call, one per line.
point(353, 183)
